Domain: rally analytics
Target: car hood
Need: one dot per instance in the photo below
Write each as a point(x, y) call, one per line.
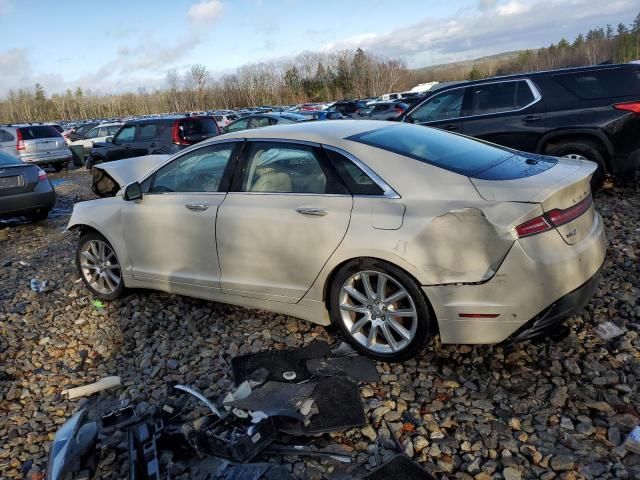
point(130, 170)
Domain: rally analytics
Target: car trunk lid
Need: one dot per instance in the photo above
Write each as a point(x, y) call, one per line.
point(16, 179)
point(563, 191)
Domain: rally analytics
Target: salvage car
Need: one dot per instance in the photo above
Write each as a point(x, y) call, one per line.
point(25, 190)
point(99, 133)
point(392, 232)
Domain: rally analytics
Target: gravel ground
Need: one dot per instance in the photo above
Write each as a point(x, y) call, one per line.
point(541, 410)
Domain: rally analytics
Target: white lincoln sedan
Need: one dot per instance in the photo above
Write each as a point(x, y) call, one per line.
point(392, 232)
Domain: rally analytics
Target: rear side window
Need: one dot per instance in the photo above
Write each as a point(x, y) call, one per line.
point(38, 131)
point(147, 132)
point(6, 136)
point(613, 82)
point(501, 97)
point(358, 182)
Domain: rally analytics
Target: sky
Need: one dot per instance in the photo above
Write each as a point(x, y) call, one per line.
point(121, 45)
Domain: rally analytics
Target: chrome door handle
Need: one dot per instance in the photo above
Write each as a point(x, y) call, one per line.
point(315, 212)
point(198, 207)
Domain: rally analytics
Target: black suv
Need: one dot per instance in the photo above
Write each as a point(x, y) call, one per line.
point(348, 108)
point(587, 112)
point(158, 135)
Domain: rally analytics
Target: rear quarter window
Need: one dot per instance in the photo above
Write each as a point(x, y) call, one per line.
point(614, 82)
point(6, 136)
point(458, 154)
point(38, 131)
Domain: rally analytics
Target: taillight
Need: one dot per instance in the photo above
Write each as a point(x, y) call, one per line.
point(531, 227)
point(42, 175)
point(553, 218)
point(399, 110)
point(633, 107)
point(20, 142)
point(175, 135)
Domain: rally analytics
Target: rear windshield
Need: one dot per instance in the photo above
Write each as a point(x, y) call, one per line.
point(38, 131)
point(612, 82)
point(198, 127)
point(455, 153)
point(6, 160)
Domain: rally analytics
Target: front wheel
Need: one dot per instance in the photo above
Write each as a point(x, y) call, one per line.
point(99, 267)
point(380, 310)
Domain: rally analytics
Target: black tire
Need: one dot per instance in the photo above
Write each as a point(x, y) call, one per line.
point(58, 166)
point(426, 328)
point(91, 161)
point(38, 216)
point(120, 289)
point(586, 150)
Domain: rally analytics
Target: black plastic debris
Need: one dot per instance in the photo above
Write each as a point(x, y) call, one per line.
point(277, 399)
point(279, 362)
point(253, 471)
point(399, 466)
point(334, 452)
point(339, 406)
point(358, 368)
point(143, 452)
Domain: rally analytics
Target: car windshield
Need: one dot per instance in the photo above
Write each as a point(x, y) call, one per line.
point(445, 150)
point(7, 160)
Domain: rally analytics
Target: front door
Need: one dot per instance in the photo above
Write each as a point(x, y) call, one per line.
point(286, 214)
point(171, 232)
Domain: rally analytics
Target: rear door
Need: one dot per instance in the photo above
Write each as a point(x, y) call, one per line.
point(509, 113)
point(444, 110)
point(286, 214)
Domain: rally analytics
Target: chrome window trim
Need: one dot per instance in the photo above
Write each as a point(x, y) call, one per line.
point(536, 98)
point(388, 192)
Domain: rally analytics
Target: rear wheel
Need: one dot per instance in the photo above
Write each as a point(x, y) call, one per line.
point(58, 166)
point(380, 310)
point(99, 267)
point(582, 151)
point(38, 216)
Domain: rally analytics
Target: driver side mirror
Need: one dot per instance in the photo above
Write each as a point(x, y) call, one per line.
point(109, 139)
point(132, 192)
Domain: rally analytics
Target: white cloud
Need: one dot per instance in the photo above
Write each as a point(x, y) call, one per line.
point(492, 27)
point(206, 12)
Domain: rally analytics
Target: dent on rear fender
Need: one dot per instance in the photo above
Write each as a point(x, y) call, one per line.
point(463, 246)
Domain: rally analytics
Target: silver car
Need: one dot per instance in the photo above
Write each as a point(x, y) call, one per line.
point(37, 144)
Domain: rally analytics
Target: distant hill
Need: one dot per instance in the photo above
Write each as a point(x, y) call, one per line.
point(467, 64)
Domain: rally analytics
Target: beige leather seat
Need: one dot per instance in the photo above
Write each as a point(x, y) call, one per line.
point(271, 180)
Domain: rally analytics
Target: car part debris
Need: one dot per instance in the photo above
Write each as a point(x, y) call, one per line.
point(309, 451)
point(277, 399)
point(143, 452)
point(277, 362)
point(339, 407)
point(608, 330)
point(253, 471)
point(118, 419)
point(200, 397)
point(632, 442)
point(343, 349)
point(358, 368)
point(90, 389)
point(399, 466)
point(39, 286)
point(73, 449)
point(235, 441)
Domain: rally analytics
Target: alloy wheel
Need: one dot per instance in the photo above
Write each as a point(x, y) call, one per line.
point(100, 267)
point(575, 156)
point(378, 312)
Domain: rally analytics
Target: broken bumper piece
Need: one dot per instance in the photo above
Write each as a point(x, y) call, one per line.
point(73, 449)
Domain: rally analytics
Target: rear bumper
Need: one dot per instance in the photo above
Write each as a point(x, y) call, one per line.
point(54, 157)
point(26, 203)
point(550, 320)
point(536, 274)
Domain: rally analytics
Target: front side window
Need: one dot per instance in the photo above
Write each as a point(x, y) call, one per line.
point(126, 134)
point(112, 129)
point(103, 132)
point(237, 126)
point(200, 170)
point(257, 122)
point(446, 105)
point(93, 133)
point(287, 168)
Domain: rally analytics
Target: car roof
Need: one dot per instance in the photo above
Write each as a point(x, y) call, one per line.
point(316, 132)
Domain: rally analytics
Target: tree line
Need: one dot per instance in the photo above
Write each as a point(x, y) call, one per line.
point(311, 76)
